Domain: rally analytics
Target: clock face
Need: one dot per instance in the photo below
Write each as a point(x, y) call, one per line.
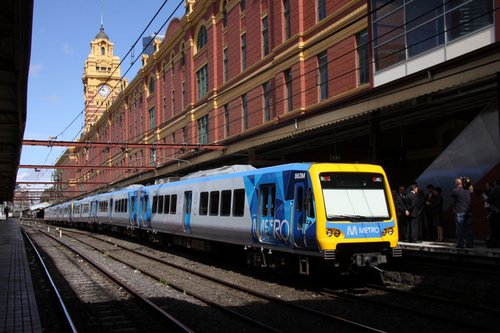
point(104, 90)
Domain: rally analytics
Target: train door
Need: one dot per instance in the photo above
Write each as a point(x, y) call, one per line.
point(267, 202)
point(144, 211)
point(188, 200)
point(298, 215)
point(110, 210)
point(93, 211)
point(132, 215)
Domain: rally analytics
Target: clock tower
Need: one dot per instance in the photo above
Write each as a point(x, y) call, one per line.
point(101, 78)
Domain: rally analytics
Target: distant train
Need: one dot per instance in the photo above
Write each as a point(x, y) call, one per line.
point(341, 214)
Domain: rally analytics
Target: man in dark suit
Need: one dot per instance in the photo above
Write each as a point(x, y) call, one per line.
point(413, 204)
point(400, 203)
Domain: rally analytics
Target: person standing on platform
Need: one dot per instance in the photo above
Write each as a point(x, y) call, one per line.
point(413, 213)
point(437, 213)
point(6, 212)
point(463, 214)
point(427, 230)
point(493, 200)
point(400, 203)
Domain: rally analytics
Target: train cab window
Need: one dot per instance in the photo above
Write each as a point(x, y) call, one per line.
point(160, 204)
point(214, 203)
point(225, 203)
point(173, 204)
point(166, 208)
point(203, 203)
point(155, 204)
point(239, 202)
point(309, 204)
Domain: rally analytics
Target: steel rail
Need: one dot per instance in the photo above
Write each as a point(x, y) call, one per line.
point(125, 286)
point(239, 287)
point(53, 285)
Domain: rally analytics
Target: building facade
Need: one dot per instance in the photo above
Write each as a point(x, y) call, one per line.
point(388, 82)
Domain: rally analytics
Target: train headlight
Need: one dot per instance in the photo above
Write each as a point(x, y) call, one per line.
point(333, 232)
point(388, 231)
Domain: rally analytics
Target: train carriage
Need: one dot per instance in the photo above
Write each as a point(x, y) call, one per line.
point(341, 213)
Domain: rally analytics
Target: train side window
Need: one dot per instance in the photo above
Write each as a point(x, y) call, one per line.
point(160, 204)
point(299, 199)
point(264, 198)
point(126, 206)
point(155, 204)
point(173, 204)
point(111, 205)
point(214, 203)
point(203, 203)
point(239, 202)
point(166, 207)
point(225, 203)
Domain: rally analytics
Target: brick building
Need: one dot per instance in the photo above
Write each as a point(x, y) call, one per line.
point(291, 80)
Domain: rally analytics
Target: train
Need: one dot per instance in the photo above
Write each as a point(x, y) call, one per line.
point(340, 214)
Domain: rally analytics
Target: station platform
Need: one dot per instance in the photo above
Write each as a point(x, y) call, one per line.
point(447, 250)
point(18, 308)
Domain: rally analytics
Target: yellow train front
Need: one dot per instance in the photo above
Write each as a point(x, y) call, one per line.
point(355, 215)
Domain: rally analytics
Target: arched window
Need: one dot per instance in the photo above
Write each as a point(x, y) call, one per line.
point(151, 85)
point(103, 50)
point(202, 38)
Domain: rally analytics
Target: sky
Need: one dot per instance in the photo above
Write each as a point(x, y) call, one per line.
point(62, 31)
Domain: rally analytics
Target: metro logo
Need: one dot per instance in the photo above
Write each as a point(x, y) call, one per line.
point(367, 231)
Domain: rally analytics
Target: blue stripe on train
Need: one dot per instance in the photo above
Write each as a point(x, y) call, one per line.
point(361, 229)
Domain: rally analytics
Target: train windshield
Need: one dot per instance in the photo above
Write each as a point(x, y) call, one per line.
point(354, 196)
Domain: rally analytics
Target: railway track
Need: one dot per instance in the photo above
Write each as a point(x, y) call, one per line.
point(105, 303)
point(196, 283)
point(466, 317)
point(275, 307)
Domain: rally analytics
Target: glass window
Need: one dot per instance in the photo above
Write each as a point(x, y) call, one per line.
point(321, 9)
point(266, 87)
point(323, 75)
point(239, 202)
point(286, 19)
point(202, 38)
point(166, 208)
point(244, 51)
point(155, 204)
point(226, 121)
point(464, 17)
point(287, 75)
point(362, 55)
point(225, 203)
point(226, 65)
point(173, 204)
point(151, 86)
point(202, 81)
point(203, 130)
point(244, 109)
point(203, 203)
point(224, 14)
point(160, 204)
point(243, 5)
point(214, 203)
point(265, 37)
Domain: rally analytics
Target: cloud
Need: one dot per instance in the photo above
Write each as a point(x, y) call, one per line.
point(54, 99)
point(67, 49)
point(35, 69)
